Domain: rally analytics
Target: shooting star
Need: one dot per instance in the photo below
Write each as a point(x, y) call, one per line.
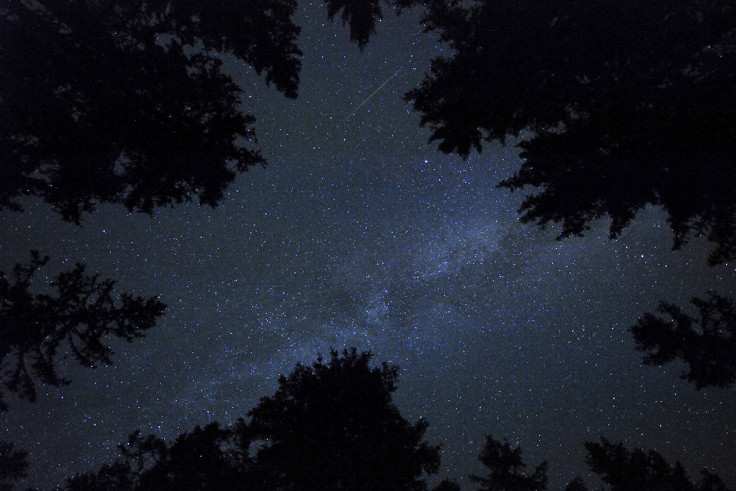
point(373, 93)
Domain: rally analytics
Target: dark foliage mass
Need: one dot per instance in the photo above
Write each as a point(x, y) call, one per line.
point(619, 468)
point(13, 465)
point(706, 344)
point(333, 426)
point(577, 484)
point(619, 104)
point(624, 470)
point(126, 102)
point(447, 485)
point(82, 314)
point(506, 469)
point(362, 15)
point(203, 459)
point(328, 426)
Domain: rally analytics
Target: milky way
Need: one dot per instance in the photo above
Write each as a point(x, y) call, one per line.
point(358, 233)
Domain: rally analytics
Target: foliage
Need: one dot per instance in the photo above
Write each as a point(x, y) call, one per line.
point(576, 484)
point(707, 344)
point(13, 465)
point(333, 426)
point(506, 469)
point(447, 485)
point(618, 467)
point(82, 314)
point(196, 460)
point(127, 101)
point(362, 15)
point(625, 469)
point(618, 104)
point(329, 426)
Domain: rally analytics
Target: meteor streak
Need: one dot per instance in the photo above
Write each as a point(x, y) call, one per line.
point(373, 93)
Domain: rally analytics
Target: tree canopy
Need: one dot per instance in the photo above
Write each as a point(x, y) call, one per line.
point(13, 465)
point(202, 459)
point(623, 469)
point(362, 15)
point(706, 344)
point(506, 469)
point(617, 104)
point(328, 426)
point(36, 329)
point(332, 425)
point(619, 468)
point(126, 101)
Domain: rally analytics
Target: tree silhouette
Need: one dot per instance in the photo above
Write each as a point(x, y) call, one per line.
point(506, 469)
point(328, 426)
point(197, 460)
point(618, 105)
point(362, 15)
point(126, 101)
point(82, 314)
point(13, 465)
point(119, 102)
point(111, 477)
point(576, 484)
point(707, 344)
point(625, 470)
point(621, 469)
point(333, 426)
point(447, 485)
point(203, 459)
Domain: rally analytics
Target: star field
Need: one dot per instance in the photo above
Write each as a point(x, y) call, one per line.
point(358, 233)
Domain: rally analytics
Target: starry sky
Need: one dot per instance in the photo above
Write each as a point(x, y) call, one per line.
point(359, 233)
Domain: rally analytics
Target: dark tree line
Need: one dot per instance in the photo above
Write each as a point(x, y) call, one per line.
point(506, 469)
point(120, 102)
point(618, 105)
point(619, 468)
point(333, 426)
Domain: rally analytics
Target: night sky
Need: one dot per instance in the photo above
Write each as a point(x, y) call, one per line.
point(359, 233)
